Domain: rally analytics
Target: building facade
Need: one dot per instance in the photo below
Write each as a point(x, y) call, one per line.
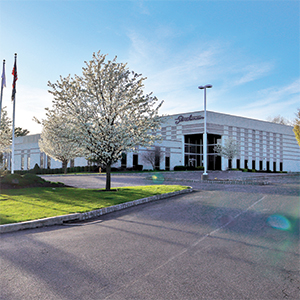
point(263, 145)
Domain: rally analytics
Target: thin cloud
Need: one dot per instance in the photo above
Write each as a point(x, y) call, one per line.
point(254, 72)
point(276, 94)
point(279, 100)
point(174, 77)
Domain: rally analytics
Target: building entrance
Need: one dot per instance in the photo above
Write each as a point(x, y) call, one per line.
point(193, 151)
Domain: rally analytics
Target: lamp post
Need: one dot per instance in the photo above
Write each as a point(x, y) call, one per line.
point(205, 176)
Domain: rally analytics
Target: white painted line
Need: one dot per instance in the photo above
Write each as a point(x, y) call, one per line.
point(183, 251)
point(221, 227)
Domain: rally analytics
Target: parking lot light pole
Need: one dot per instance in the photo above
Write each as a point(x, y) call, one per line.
point(205, 176)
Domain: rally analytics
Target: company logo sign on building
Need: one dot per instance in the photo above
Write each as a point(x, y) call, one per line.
point(181, 118)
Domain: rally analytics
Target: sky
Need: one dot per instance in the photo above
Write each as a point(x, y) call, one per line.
point(248, 51)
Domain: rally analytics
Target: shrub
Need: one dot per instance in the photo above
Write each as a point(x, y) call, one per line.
point(190, 168)
point(200, 168)
point(36, 169)
point(12, 178)
point(33, 178)
point(180, 168)
point(22, 180)
point(138, 168)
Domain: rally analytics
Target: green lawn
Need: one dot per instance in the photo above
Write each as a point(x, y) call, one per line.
point(36, 203)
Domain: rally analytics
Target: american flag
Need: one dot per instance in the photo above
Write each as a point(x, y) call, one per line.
point(14, 73)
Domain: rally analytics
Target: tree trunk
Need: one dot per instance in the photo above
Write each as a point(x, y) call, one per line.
point(65, 165)
point(108, 170)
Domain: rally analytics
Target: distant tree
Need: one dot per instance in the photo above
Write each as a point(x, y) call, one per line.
point(297, 126)
point(229, 150)
point(19, 131)
point(54, 142)
point(5, 132)
point(153, 157)
point(108, 109)
point(279, 120)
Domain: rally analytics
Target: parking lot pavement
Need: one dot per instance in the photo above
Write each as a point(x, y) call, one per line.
point(97, 181)
point(211, 244)
point(277, 183)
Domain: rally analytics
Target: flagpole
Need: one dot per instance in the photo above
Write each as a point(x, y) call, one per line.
point(2, 84)
point(13, 140)
point(13, 122)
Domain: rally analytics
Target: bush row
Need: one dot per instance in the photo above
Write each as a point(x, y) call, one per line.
point(201, 168)
point(95, 169)
point(79, 169)
point(38, 170)
point(260, 171)
point(188, 168)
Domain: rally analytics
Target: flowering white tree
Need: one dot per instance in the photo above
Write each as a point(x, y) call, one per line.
point(5, 135)
point(5, 132)
point(229, 150)
point(296, 128)
point(54, 141)
point(108, 108)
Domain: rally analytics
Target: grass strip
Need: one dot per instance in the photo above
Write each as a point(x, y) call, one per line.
point(36, 203)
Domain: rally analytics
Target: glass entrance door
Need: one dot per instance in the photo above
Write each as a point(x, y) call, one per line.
point(193, 151)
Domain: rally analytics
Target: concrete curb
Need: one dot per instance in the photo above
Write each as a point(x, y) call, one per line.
point(87, 215)
point(220, 181)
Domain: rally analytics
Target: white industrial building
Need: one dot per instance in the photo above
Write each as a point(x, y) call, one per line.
point(263, 145)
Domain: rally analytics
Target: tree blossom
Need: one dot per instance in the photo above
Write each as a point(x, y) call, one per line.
point(108, 108)
point(229, 150)
point(54, 142)
point(296, 128)
point(5, 132)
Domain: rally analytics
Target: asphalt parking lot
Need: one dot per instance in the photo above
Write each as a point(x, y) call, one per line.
point(224, 241)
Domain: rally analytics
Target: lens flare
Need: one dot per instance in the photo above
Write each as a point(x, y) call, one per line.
point(158, 178)
point(279, 222)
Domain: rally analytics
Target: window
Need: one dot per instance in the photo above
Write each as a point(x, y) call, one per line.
point(193, 148)
point(167, 163)
point(124, 160)
point(42, 161)
point(22, 162)
point(48, 162)
point(28, 162)
point(135, 160)
point(157, 158)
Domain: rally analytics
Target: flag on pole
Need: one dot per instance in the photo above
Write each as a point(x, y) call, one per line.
point(3, 84)
point(15, 78)
point(3, 81)
point(13, 98)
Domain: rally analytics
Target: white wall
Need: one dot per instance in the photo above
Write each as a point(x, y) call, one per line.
point(260, 140)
